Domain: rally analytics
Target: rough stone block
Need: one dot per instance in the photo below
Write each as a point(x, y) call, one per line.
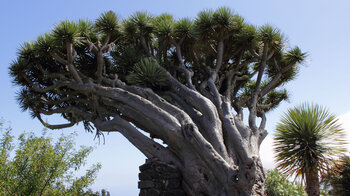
point(173, 193)
point(171, 175)
point(145, 176)
point(153, 192)
point(160, 179)
point(145, 167)
point(173, 183)
point(146, 184)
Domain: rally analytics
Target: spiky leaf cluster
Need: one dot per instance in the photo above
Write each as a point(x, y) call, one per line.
point(147, 73)
point(141, 49)
point(307, 139)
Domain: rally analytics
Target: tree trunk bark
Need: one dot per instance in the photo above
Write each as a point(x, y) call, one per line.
point(215, 152)
point(312, 184)
point(196, 181)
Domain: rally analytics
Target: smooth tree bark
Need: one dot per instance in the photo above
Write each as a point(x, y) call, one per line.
point(185, 82)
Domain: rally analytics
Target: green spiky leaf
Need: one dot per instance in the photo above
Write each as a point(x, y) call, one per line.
point(66, 31)
point(307, 138)
point(107, 22)
point(184, 28)
point(147, 73)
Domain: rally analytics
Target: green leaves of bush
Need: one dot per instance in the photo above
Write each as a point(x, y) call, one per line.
point(278, 185)
point(41, 166)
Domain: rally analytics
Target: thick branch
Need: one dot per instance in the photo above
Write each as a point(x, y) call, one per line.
point(194, 98)
point(220, 53)
point(147, 146)
point(195, 115)
point(59, 126)
point(92, 47)
point(209, 111)
point(58, 58)
point(214, 90)
point(207, 152)
point(188, 74)
point(234, 137)
point(275, 81)
point(145, 122)
point(254, 96)
point(46, 89)
point(262, 115)
point(70, 66)
point(100, 66)
point(145, 46)
point(143, 105)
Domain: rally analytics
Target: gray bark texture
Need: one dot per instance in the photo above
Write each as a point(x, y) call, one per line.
point(198, 140)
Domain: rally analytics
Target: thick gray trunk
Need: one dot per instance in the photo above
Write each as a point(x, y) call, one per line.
point(215, 152)
point(160, 178)
point(200, 181)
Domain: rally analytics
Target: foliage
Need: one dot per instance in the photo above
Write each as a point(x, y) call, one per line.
point(307, 139)
point(148, 74)
point(159, 35)
point(278, 185)
point(339, 177)
point(38, 166)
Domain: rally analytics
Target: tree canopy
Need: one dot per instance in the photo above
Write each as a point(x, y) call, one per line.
point(40, 166)
point(185, 81)
point(108, 50)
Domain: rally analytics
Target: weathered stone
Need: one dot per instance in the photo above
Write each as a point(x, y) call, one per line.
point(145, 167)
point(169, 175)
point(143, 192)
point(173, 183)
point(160, 179)
point(145, 175)
point(146, 184)
point(173, 193)
point(153, 192)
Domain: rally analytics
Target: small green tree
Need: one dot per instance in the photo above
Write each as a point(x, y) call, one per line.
point(41, 167)
point(306, 141)
point(278, 185)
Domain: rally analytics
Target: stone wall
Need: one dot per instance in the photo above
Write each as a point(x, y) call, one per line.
point(160, 179)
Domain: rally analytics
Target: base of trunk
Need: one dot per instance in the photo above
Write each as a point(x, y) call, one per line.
point(163, 179)
point(160, 179)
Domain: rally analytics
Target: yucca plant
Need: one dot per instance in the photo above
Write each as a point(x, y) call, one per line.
point(147, 73)
point(307, 139)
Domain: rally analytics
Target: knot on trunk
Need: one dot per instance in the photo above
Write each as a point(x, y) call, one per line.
point(187, 131)
point(234, 176)
point(250, 174)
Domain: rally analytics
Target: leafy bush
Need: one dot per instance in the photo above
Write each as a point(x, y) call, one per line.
point(278, 185)
point(38, 166)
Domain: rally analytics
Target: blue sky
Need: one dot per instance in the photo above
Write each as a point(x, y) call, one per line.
point(319, 27)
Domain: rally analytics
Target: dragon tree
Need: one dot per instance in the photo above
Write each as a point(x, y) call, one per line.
point(202, 86)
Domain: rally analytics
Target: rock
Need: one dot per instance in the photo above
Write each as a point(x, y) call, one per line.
point(160, 179)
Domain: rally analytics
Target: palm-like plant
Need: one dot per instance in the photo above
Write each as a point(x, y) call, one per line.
point(307, 139)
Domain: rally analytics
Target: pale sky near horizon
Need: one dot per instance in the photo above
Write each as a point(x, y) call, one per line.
point(319, 27)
